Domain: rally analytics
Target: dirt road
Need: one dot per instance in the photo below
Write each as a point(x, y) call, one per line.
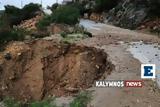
point(115, 42)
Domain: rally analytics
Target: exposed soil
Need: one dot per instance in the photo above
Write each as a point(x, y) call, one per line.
point(43, 68)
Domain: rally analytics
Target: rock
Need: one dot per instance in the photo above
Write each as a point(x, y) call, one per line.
point(156, 54)
point(19, 54)
point(138, 100)
point(4, 87)
point(2, 104)
point(97, 66)
point(11, 78)
point(96, 17)
point(155, 46)
point(88, 34)
point(7, 56)
point(73, 90)
point(39, 34)
point(59, 28)
point(86, 16)
point(128, 14)
point(31, 23)
point(28, 37)
point(93, 58)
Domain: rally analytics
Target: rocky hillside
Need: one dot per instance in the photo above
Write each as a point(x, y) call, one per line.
point(131, 13)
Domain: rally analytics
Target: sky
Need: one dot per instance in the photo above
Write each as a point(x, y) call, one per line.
point(18, 3)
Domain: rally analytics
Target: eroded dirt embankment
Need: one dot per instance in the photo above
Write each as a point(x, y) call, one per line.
point(32, 71)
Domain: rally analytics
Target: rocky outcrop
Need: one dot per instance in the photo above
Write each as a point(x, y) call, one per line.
point(128, 13)
point(31, 23)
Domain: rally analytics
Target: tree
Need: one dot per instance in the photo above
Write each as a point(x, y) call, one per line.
point(104, 5)
point(14, 14)
point(30, 10)
point(54, 7)
point(66, 14)
point(154, 7)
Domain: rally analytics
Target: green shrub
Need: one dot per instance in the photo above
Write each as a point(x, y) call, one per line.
point(54, 7)
point(66, 14)
point(44, 103)
point(16, 15)
point(63, 35)
point(81, 100)
point(79, 6)
point(104, 5)
point(4, 24)
point(63, 14)
point(43, 23)
point(154, 7)
point(10, 102)
point(29, 10)
point(11, 35)
point(18, 34)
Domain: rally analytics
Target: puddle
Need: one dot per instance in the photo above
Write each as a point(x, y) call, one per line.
point(90, 24)
point(146, 53)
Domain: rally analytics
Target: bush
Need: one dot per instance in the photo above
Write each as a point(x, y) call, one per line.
point(44, 103)
point(77, 34)
point(11, 35)
point(66, 14)
point(154, 7)
point(13, 14)
point(104, 5)
point(79, 6)
point(10, 102)
point(43, 23)
point(81, 100)
point(54, 7)
point(4, 25)
point(16, 15)
point(29, 11)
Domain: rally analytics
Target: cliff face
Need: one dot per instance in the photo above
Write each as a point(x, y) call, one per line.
point(128, 13)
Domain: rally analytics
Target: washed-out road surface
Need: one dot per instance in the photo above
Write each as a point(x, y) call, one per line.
point(127, 50)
